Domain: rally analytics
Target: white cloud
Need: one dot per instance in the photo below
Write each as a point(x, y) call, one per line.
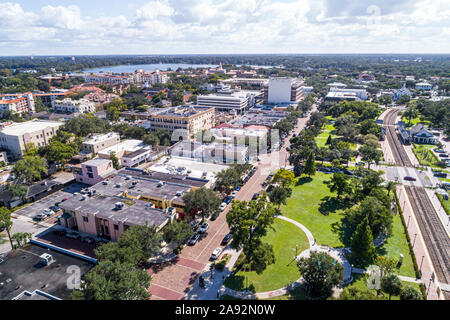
point(219, 26)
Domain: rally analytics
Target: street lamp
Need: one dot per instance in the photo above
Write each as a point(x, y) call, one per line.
point(407, 225)
point(420, 269)
point(414, 241)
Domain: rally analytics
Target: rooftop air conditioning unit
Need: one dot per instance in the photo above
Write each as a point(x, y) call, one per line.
point(119, 205)
point(160, 184)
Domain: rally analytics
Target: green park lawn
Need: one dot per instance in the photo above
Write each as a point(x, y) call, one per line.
point(359, 282)
point(424, 154)
point(284, 271)
point(414, 121)
point(313, 205)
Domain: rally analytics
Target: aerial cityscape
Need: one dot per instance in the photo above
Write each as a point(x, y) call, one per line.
point(242, 151)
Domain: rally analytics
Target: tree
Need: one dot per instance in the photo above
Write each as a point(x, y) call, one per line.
point(29, 169)
point(227, 179)
point(115, 160)
point(351, 293)
point(5, 221)
point(391, 284)
point(18, 190)
point(328, 142)
point(284, 177)
point(386, 265)
point(136, 245)
point(363, 249)
point(340, 183)
point(114, 281)
point(58, 151)
point(278, 195)
point(112, 114)
point(248, 223)
point(202, 201)
point(310, 166)
point(21, 238)
point(410, 293)
point(178, 232)
point(390, 186)
point(321, 273)
point(370, 154)
point(30, 149)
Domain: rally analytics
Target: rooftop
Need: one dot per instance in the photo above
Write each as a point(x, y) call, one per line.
point(130, 145)
point(18, 129)
point(100, 137)
point(96, 162)
point(20, 271)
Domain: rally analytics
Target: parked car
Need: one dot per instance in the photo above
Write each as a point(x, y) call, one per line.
point(443, 155)
point(73, 235)
point(255, 196)
point(234, 193)
point(408, 178)
point(216, 254)
point(264, 184)
point(226, 239)
point(55, 208)
point(88, 239)
point(193, 240)
point(227, 200)
point(214, 216)
point(223, 206)
point(203, 228)
point(437, 150)
point(65, 199)
point(440, 174)
point(39, 217)
point(325, 170)
point(237, 188)
point(348, 172)
point(48, 212)
point(336, 170)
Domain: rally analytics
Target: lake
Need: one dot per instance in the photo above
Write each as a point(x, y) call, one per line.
point(148, 67)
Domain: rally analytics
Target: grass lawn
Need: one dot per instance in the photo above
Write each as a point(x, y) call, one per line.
point(445, 204)
point(296, 294)
point(425, 155)
point(284, 271)
point(360, 283)
point(313, 205)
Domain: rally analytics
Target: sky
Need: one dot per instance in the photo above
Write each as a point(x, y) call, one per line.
point(96, 27)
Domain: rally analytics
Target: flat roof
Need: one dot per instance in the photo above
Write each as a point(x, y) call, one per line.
point(100, 137)
point(96, 162)
point(20, 271)
point(18, 129)
point(104, 206)
point(164, 176)
point(130, 145)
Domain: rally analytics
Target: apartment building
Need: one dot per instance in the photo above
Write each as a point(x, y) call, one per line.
point(98, 142)
point(73, 106)
point(17, 103)
point(424, 86)
point(191, 119)
point(225, 101)
point(109, 79)
point(150, 78)
point(15, 136)
point(283, 90)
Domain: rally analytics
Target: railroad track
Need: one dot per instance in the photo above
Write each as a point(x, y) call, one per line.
point(433, 231)
point(400, 156)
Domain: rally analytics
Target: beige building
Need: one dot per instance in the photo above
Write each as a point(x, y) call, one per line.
point(15, 136)
point(192, 119)
point(98, 142)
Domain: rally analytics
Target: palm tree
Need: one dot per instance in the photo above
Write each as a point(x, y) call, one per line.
point(390, 186)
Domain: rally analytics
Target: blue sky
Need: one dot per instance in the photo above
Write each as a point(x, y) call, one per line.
point(66, 27)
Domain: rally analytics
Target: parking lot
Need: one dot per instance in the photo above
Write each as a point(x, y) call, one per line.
point(37, 207)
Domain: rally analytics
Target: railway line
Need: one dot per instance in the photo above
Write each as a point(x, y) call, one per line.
point(433, 231)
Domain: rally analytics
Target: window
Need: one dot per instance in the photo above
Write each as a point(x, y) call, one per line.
point(116, 227)
point(85, 219)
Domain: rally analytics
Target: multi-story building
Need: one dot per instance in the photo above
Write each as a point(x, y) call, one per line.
point(346, 94)
point(190, 119)
point(98, 142)
point(225, 101)
point(15, 136)
point(73, 106)
point(109, 79)
point(17, 103)
point(283, 90)
point(127, 198)
point(94, 171)
point(424, 86)
point(211, 153)
point(151, 78)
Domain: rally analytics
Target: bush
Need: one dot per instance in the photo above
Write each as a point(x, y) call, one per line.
point(222, 263)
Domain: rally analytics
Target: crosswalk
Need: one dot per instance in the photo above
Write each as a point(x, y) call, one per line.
point(423, 178)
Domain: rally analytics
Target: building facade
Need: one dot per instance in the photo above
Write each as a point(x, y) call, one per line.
point(283, 90)
point(73, 106)
point(225, 101)
point(98, 142)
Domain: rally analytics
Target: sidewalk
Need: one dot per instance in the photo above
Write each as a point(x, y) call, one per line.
point(420, 251)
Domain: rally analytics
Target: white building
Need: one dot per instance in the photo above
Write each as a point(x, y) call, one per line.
point(73, 106)
point(98, 142)
point(358, 93)
point(17, 103)
point(424, 86)
point(15, 136)
point(120, 149)
point(230, 101)
point(283, 90)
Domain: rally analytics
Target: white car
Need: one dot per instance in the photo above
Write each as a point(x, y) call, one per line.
point(223, 206)
point(216, 254)
point(48, 212)
point(234, 193)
